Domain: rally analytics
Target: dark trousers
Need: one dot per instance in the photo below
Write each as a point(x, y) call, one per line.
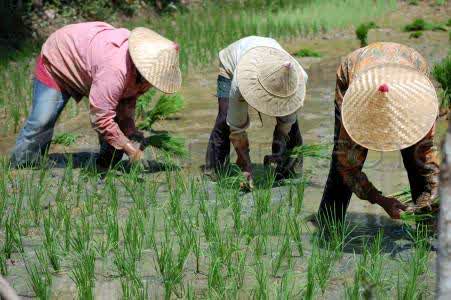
point(218, 149)
point(337, 194)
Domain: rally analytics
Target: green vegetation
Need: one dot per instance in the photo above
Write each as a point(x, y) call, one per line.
point(66, 139)
point(203, 32)
point(413, 2)
point(442, 73)
point(362, 32)
point(421, 24)
point(416, 34)
point(99, 232)
point(307, 53)
point(166, 106)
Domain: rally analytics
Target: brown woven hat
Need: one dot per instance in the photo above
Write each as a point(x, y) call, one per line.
point(156, 58)
point(389, 107)
point(271, 81)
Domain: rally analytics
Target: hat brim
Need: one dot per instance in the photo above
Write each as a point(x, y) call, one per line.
point(156, 59)
point(396, 122)
point(256, 95)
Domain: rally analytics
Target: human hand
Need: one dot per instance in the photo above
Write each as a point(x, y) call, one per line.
point(248, 184)
point(136, 155)
point(392, 206)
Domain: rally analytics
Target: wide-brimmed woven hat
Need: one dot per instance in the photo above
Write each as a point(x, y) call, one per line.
point(271, 81)
point(389, 107)
point(156, 58)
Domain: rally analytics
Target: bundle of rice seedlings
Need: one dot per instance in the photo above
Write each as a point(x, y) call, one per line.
point(362, 32)
point(442, 73)
point(165, 107)
point(169, 144)
point(314, 150)
point(416, 214)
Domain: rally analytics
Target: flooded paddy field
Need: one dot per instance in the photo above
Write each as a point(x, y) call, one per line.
point(69, 232)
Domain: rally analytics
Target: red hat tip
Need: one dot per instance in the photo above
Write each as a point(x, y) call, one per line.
point(383, 88)
point(287, 65)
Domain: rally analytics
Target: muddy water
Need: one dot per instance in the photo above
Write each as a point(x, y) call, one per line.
point(316, 122)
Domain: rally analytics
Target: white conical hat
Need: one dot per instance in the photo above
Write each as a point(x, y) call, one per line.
point(271, 81)
point(156, 58)
point(389, 107)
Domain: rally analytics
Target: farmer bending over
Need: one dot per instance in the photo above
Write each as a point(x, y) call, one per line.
point(112, 66)
point(384, 102)
point(256, 71)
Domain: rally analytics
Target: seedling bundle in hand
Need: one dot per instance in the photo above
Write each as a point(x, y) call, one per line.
point(166, 106)
point(416, 215)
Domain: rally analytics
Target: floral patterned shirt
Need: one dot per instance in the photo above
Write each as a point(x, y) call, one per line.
point(420, 159)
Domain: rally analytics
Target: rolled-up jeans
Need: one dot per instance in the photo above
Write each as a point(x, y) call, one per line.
point(35, 137)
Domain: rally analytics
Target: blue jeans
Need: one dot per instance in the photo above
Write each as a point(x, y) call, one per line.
point(36, 135)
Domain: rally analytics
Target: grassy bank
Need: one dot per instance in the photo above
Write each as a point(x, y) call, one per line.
point(203, 32)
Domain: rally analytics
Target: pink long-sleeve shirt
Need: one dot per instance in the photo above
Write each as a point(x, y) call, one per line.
point(92, 59)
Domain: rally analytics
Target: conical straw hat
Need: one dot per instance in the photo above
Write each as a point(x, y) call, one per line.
point(271, 81)
point(389, 107)
point(156, 58)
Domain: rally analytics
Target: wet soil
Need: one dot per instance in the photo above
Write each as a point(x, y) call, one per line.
point(316, 121)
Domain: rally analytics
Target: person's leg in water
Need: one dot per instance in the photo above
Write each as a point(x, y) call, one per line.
point(35, 137)
point(337, 194)
point(218, 149)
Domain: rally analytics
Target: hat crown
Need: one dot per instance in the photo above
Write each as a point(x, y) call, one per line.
point(279, 78)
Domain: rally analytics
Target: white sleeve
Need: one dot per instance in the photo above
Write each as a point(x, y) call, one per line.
point(237, 115)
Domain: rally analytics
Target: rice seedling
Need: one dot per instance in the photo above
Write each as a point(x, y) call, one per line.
point(166, 106)
point(322, 260)
point(168, 144)
point(83, 274)
point(315, 151)
point(417, 265)
point(40, 280)
point(262, 277)
point(143, 103)
point(81, 236)
point(3, 264)
point(416, 34)
point(50, 245)
point(295, 231)
point(13, 240)
point(202, 40)
point(362, 32)
point(66, 139)
point(368, 274)
point(284, 253)
point(171, 265)
point(134, 234)
point(311, 284)
point(285, 289)
point(305, 52)
point(421, 25)
point(216, 280)
point(442, 73)
point(133, 288)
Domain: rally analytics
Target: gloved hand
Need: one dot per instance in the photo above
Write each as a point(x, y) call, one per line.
point(241, 144)
point(136, 155)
